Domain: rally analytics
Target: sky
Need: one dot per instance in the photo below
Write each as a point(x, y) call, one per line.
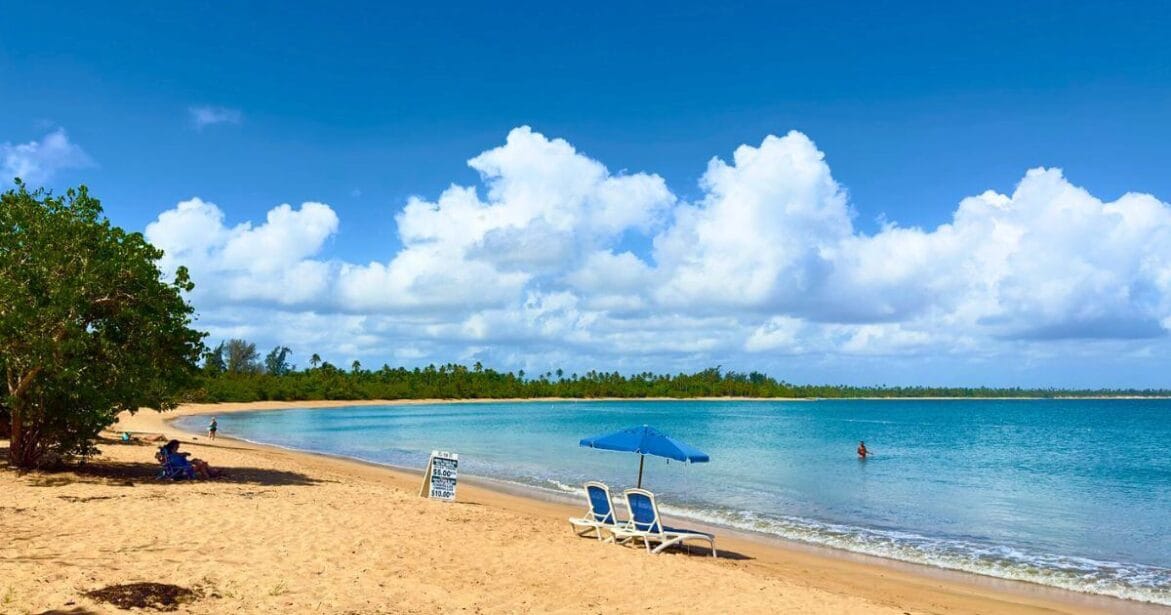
point(881, 193)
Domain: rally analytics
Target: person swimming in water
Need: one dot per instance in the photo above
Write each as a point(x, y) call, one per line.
point(862, 451)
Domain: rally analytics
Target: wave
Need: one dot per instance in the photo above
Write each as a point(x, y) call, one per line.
point(1129, 581)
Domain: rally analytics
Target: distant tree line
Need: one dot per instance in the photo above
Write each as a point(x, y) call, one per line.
point(234, 371)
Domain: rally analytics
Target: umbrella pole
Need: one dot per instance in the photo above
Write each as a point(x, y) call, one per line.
point(641, 460)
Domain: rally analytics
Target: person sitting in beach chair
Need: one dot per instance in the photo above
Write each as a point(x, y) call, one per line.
point(176, 465)
point(646, 524)
point(600, 515)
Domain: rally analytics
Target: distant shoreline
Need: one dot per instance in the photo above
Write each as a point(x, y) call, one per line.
point(233, 407)
point(254, 406)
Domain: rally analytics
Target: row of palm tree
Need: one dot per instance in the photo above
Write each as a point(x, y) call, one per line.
point(234, 372)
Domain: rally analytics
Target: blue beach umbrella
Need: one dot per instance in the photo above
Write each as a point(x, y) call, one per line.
point(645, 441)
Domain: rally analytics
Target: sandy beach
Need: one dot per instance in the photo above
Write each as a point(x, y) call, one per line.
point(294, 532)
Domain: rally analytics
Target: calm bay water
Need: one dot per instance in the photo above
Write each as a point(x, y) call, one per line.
point(1071, 493)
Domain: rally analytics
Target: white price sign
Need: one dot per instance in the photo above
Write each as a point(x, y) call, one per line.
point(440, 478)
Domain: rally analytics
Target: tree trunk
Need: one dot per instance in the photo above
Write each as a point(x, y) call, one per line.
point(16, 448)
point(24, 451)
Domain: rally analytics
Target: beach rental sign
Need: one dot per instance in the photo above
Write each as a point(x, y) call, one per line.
point(440, 477)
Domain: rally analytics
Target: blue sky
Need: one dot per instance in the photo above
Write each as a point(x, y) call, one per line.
point(914, 107)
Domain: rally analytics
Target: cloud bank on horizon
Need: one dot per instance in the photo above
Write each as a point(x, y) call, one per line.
point(538, 270)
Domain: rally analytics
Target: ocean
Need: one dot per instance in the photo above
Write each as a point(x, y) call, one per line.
point(1068, 493)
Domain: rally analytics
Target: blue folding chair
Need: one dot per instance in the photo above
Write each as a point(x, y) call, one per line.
point(175, 467)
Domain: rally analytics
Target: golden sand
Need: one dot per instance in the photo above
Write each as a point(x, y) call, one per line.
point(290, 532)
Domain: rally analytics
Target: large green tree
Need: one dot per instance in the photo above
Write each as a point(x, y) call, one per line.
point(88, 325)
point(242, 357)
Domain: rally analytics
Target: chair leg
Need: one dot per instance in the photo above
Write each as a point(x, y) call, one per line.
point(664, 544)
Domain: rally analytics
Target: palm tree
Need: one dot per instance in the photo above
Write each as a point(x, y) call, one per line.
point(315, 360)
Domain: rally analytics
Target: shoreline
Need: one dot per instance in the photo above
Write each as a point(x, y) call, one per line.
point(333, 403)
point(835, 570)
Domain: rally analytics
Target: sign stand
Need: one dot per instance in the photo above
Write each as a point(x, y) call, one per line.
point(440, 477)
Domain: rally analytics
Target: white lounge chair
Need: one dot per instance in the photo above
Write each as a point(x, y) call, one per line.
point(646, 524)
point(600, 515)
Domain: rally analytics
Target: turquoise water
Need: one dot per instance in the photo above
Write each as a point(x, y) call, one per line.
point(1070, 493)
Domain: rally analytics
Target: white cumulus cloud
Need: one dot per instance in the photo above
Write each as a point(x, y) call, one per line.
point(764, 234)
point(765, 268)
point(36, 162)
point(547, 209)
point(267, 263)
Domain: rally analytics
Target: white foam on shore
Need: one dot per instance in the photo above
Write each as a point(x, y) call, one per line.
point(1129, 581)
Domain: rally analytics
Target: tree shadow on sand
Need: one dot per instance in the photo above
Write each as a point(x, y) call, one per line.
point(129, 474)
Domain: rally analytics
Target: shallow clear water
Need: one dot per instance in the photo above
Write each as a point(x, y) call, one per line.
point(1071, 493)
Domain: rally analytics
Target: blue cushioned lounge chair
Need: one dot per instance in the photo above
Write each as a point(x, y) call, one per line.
point(646, 524)
point(600, 515)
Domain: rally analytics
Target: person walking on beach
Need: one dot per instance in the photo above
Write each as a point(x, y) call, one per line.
point(211, 428)
point(862, 452)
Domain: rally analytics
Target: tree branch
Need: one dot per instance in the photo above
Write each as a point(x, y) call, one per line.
point(25, 382)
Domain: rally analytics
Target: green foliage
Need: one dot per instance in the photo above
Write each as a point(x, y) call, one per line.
point(276, 363)
point(87, 326)
point(213, 361)
point(454, 381)
point(242, 357)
